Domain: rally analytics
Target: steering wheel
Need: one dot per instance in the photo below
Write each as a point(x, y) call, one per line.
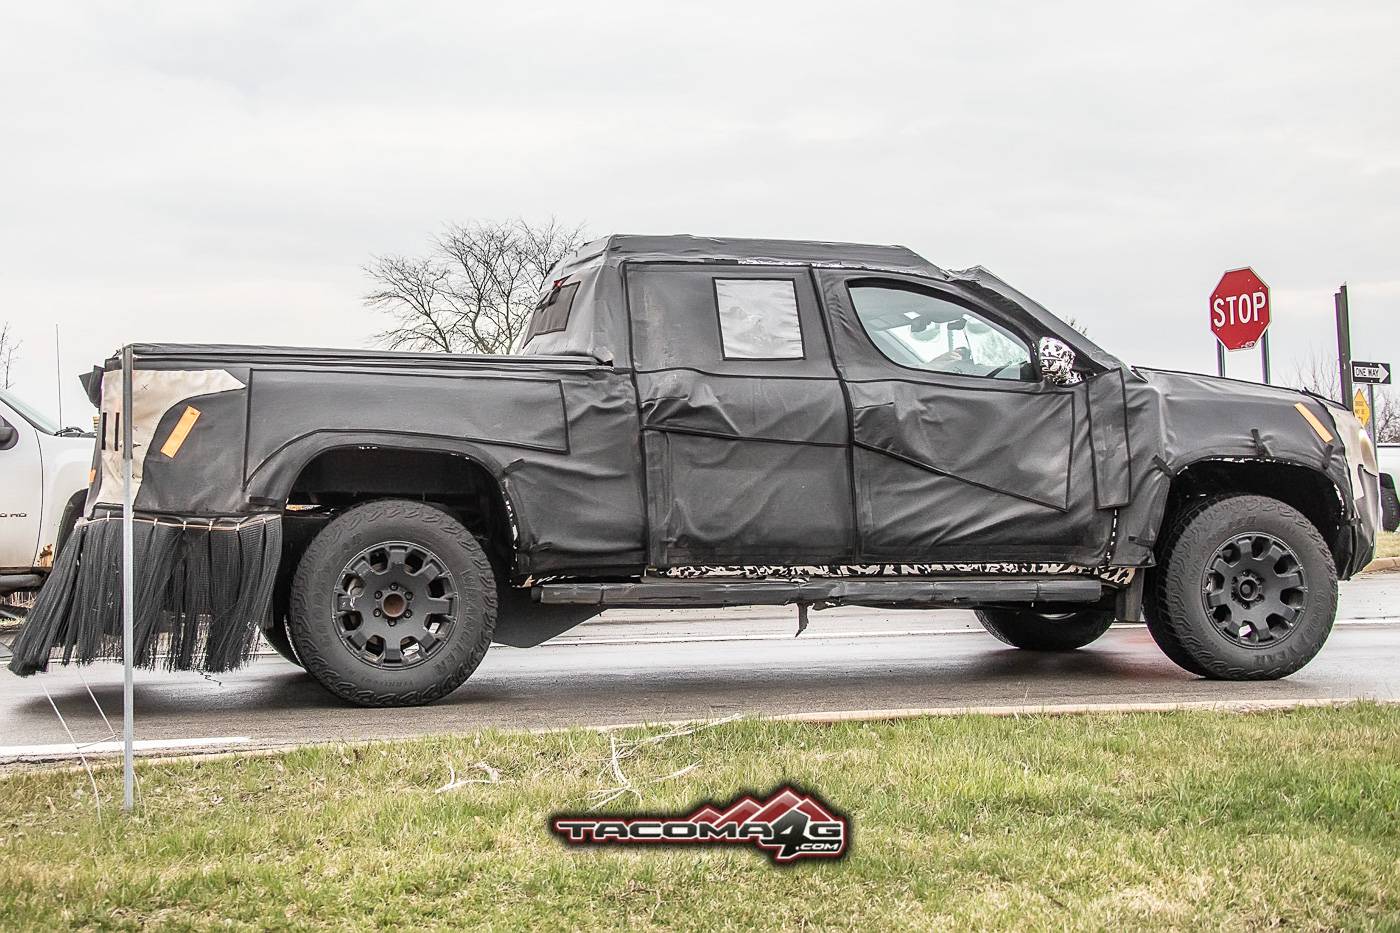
point(957, 361)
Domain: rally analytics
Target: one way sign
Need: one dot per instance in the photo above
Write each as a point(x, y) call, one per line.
point(1375, 373)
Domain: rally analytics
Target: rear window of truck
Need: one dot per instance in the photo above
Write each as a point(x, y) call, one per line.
point(551, 315)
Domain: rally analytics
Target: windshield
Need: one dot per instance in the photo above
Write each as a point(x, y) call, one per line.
point(29, 413)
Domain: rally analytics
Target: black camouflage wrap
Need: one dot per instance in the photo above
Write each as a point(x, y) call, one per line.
point(625, 442)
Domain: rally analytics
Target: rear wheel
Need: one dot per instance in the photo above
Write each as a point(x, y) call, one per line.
point(1246, 590)
point(1046, 631)
point(280, 640)
point(392, 604)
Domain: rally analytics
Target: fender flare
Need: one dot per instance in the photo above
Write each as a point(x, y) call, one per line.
point(269, 484)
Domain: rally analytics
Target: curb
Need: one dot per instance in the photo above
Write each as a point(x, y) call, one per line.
point(105, 759)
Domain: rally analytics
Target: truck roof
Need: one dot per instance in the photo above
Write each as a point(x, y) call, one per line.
point(688, 248)
point(598, 323)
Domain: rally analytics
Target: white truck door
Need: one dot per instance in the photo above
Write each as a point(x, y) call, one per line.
point(21, 491)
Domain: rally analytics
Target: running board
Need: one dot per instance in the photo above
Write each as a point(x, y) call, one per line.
point(909, 592)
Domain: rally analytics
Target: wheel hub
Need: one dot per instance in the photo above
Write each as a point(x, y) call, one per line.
point(395, 604)
point(1247, 588)
point(1254, 590)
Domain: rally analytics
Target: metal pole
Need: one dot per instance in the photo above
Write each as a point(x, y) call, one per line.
point(1371, 397)
point(1219, 358)
point(1265, 346)
point(58, 372)
point(1344, 345)
point(128, 594)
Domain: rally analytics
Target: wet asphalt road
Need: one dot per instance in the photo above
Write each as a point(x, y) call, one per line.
point(658, 666)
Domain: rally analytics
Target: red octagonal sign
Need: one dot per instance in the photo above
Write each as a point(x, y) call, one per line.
point(1239, 309)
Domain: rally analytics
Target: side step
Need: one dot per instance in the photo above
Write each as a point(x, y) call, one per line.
point(909, 592)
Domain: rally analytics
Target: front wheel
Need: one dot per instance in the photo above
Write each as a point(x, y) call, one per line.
point(1045, 631)
point(1246, 590)
point(393, 604)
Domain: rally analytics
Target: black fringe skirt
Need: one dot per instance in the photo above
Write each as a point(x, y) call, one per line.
point(203, 590)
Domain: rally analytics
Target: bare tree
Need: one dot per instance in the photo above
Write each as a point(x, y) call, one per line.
point(1387, 418)
point(1319, 374)
point(474, 290)
point(9, 347)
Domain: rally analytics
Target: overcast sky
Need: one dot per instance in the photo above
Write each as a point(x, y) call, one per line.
point(221, 171)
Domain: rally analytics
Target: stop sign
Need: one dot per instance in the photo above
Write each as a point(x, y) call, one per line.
point(1239, 309)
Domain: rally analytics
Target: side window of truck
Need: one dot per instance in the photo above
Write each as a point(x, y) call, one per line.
point(731, 320)
point(758, 319)
point(919, 330)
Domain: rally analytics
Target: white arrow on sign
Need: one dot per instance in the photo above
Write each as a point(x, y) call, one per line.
point(1370, 372)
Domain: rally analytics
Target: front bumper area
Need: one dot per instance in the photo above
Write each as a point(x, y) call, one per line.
point(1360, 532)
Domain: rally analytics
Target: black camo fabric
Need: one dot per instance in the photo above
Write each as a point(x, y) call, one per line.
point(202, 591)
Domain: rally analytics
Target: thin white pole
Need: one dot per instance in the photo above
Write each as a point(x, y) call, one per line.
point(58, 371)
point(128, 597)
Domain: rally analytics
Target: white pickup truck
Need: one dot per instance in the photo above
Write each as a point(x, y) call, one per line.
point(44, 470)
point(1389, 457)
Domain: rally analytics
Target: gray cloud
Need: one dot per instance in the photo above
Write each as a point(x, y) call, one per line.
point(221, 171)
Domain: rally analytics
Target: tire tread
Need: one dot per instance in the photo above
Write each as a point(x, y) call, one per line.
point(1185, 644)
point(311, 655)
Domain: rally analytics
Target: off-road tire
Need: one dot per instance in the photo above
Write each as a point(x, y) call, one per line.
point(1036, 631)
point(1176, 614)
point(314, 628)
point(1154, 601)
point(280, 640)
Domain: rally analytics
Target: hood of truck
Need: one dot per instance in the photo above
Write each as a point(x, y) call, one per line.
point(1210, 416)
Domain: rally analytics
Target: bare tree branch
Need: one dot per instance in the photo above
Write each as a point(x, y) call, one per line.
point(474, 291)
point(411, 293)
point(9, 350)
point(1319, 374)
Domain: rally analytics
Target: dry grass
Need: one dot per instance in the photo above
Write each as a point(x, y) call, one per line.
point(1189, 820)
point(1388, 544)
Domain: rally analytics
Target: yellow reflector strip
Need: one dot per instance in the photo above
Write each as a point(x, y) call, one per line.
point(182, 429)
point(1317, 425)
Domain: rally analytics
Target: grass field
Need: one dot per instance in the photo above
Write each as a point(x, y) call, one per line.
point(1388, 544)
point(1183, 820)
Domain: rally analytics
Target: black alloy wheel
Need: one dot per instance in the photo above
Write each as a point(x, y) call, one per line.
point(1254, 590)
point(394, 604)
point(1245, 588)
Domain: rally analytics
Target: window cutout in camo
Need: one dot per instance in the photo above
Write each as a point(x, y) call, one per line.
point(551, 315)
point(758, 319)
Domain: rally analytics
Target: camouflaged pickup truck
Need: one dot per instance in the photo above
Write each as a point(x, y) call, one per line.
point(709, 422)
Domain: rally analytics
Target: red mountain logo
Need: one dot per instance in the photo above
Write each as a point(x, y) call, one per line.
point(787, 824)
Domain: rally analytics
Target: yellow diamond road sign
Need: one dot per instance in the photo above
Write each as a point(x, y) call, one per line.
point(1359, 406)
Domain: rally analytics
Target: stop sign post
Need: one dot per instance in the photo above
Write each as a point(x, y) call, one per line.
point(1240, 315)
